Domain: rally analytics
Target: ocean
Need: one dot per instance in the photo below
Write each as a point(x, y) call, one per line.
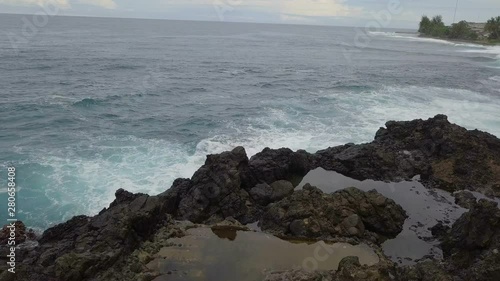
point(91, 105)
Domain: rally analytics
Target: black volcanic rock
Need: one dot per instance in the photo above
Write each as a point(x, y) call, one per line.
point(439, 230)
point(465, 199)
point(425, 271)
point(230, 185)
point(214, 192)
point(263, 193)
point(310, 213)
point(446, 156)
point(78, 249)
point(472, 246)
point(272, 165)
point(21, 233)
point(218, 178)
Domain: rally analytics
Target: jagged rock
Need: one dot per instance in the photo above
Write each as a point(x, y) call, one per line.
point(175, 193)
point(83, 246)
point(471, 247)
point(465, 199)
point(214, 192)
point(21, 233)
point(14, 234)
point(231, 185)
point(439, 230)
point(263, 194)
point(424, 271)
point(446, 155)
point(134, 266)
point(351, 270)
point(272, 165)
point(223, 186)
point(310, 213)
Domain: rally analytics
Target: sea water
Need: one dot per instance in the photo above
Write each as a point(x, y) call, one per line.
point(91, 105)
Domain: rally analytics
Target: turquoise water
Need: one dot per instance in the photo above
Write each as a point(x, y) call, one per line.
point(92, 105)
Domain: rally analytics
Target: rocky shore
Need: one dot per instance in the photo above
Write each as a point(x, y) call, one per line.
point(235, 212)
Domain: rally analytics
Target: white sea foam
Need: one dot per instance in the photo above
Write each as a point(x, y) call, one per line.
point(415, 37)
point(461, 47)
point(382, 33)
point(84, 180)
point(85, 185)
point(467, 108)
point(495, 78)
point(490, 50)
point(495, 50)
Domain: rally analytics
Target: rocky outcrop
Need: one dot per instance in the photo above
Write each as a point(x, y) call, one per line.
point(310, 213)
point(424, 271)
point(272, 165)
point(214, 192)
point(446, 156)
point(18, 231)
point(472, 246)
point(264, 194)
point(83, 246)
point(465, 199)
point(230, 190)
point(231, 185)
point(351, 270)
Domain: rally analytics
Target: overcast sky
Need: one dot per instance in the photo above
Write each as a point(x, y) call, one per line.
point(321, 12)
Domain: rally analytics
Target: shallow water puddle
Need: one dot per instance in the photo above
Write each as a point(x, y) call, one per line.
point(230, 255)
point(425, 208)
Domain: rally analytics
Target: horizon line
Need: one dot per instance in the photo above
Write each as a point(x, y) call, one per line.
point(208, 21)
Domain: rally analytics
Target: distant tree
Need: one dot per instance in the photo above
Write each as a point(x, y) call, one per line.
point(435, 27)
point(425, 25)
point(462, 30)
point(439, 29)
point(493, 27)
point(437, 20)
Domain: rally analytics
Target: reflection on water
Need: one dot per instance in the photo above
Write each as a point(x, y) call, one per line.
point(229, 255)
point(228, 234)
point(425, 208)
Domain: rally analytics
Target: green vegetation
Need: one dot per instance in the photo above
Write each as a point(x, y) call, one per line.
point(462, 31)
point(435, 27)
point(493, 27)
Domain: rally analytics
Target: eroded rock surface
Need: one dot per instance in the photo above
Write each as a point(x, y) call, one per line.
point(20, 233)
point(446, 155)
point(310, 213)
point(465, 199)
point(472, 245)
point(231, 185)
point(83, 246)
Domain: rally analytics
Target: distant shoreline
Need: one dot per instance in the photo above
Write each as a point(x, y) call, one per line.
point(478, 42)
